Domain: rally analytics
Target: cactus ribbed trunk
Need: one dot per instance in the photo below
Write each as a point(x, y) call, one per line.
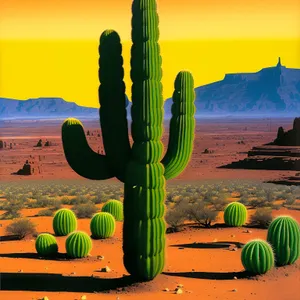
point(144, 226)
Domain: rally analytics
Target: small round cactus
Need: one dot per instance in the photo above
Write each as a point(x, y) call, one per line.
point(46, 245)
point(64, 222)
point(78, 244)
point(284, 236)
point(115, 208)
point(102, 225)
point(235, 214)
point(257, 257)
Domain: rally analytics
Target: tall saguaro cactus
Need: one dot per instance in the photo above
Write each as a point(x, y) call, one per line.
point(141, 167)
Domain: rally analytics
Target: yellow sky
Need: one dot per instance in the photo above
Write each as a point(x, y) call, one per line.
point(49, 48)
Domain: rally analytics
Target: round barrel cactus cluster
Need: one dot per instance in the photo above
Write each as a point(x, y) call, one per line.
point(46, 245)
point(235, 214)
point(284, 236)
point(115, 208)
point(64, 222)
point(257, 257)
point(102, 225)
point(78, 244)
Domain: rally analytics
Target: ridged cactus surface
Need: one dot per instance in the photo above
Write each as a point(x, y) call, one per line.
point(78, 244)
point(284, 236)
point(235, 214)
point(114, 207)
point(103, 225)
point(46, 244)
point(141, 166)
point(64, 222)
point(257, 257)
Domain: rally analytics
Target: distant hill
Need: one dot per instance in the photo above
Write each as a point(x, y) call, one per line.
point(43, 108)
point(274, 90)
point(271, 91)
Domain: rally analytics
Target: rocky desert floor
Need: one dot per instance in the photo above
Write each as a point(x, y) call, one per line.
point(206, 262)
point(228, 140)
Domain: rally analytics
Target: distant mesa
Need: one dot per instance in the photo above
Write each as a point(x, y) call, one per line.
point(282, 154)
point(270, 91)
point(289, 138)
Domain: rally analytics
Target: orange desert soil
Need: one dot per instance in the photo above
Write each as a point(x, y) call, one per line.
point(195, 259)
point(222, 137)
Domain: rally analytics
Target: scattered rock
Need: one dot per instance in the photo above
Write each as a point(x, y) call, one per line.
point(232, 235)
point(234, 290)
point(20, 271)
point(106, 269)
point(181, 248)
point(100, 257)
point(44, 298)
point(83, 297)
point(235, 278)
point(232, 248)
point(166, 290)
point(178, 291)
point(180, 285)
point(73, 273)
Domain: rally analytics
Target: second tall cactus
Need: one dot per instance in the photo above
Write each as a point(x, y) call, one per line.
point(141, 167)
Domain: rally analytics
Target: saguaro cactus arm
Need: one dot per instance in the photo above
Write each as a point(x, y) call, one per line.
point(182, 126)
point(113, 114)
point(82, 159)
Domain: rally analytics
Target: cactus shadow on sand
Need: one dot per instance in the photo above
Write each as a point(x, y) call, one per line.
point(213, 245)
point(32, 255)
point(60, 283)
point(211, 275)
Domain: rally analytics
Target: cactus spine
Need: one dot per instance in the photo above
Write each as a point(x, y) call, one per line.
point(284, 236)
point(235, 214)
point(257, 257)
point(115, 208)
point(141, 168)
point(64, 222)
point(102, 225)
point(78, 244)
point(46, 244)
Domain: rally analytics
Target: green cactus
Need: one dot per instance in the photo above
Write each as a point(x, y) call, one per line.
point(78, 244)
point(64, 222)
point(141, 167)
point(115, 208)
point(284, 236)
point(257, 257)
point(46, 244)
point(103, 225)
point(235, 214)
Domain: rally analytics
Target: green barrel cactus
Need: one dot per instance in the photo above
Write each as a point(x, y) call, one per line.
point(284, 236)
point(115, 208)
point(257, 257)
point(141, 167)
point(235, 214)
point(78, 244)
point(46, 244)
point(103, 225)
point(64, 222)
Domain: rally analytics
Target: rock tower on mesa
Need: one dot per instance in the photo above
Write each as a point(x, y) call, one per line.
point(281, 154)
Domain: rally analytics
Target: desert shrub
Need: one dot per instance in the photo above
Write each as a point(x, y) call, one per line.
point(12, 209)
point(175, 218)
point(290, 199)
point(97, 199)
point(86, 210)
point(220, 202)
point(80, 199)
point(262, 217)
point(66, 200)
point(45, 213)
point(202, 214)
point(21, 228)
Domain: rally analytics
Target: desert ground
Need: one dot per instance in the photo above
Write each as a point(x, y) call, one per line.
point(205, 261)
point(227, 139)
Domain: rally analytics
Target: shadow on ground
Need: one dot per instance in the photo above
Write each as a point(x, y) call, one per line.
point(211, 275)
point(7, 238)
point(29, 255)
point(214, 245)
point(58, 283)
